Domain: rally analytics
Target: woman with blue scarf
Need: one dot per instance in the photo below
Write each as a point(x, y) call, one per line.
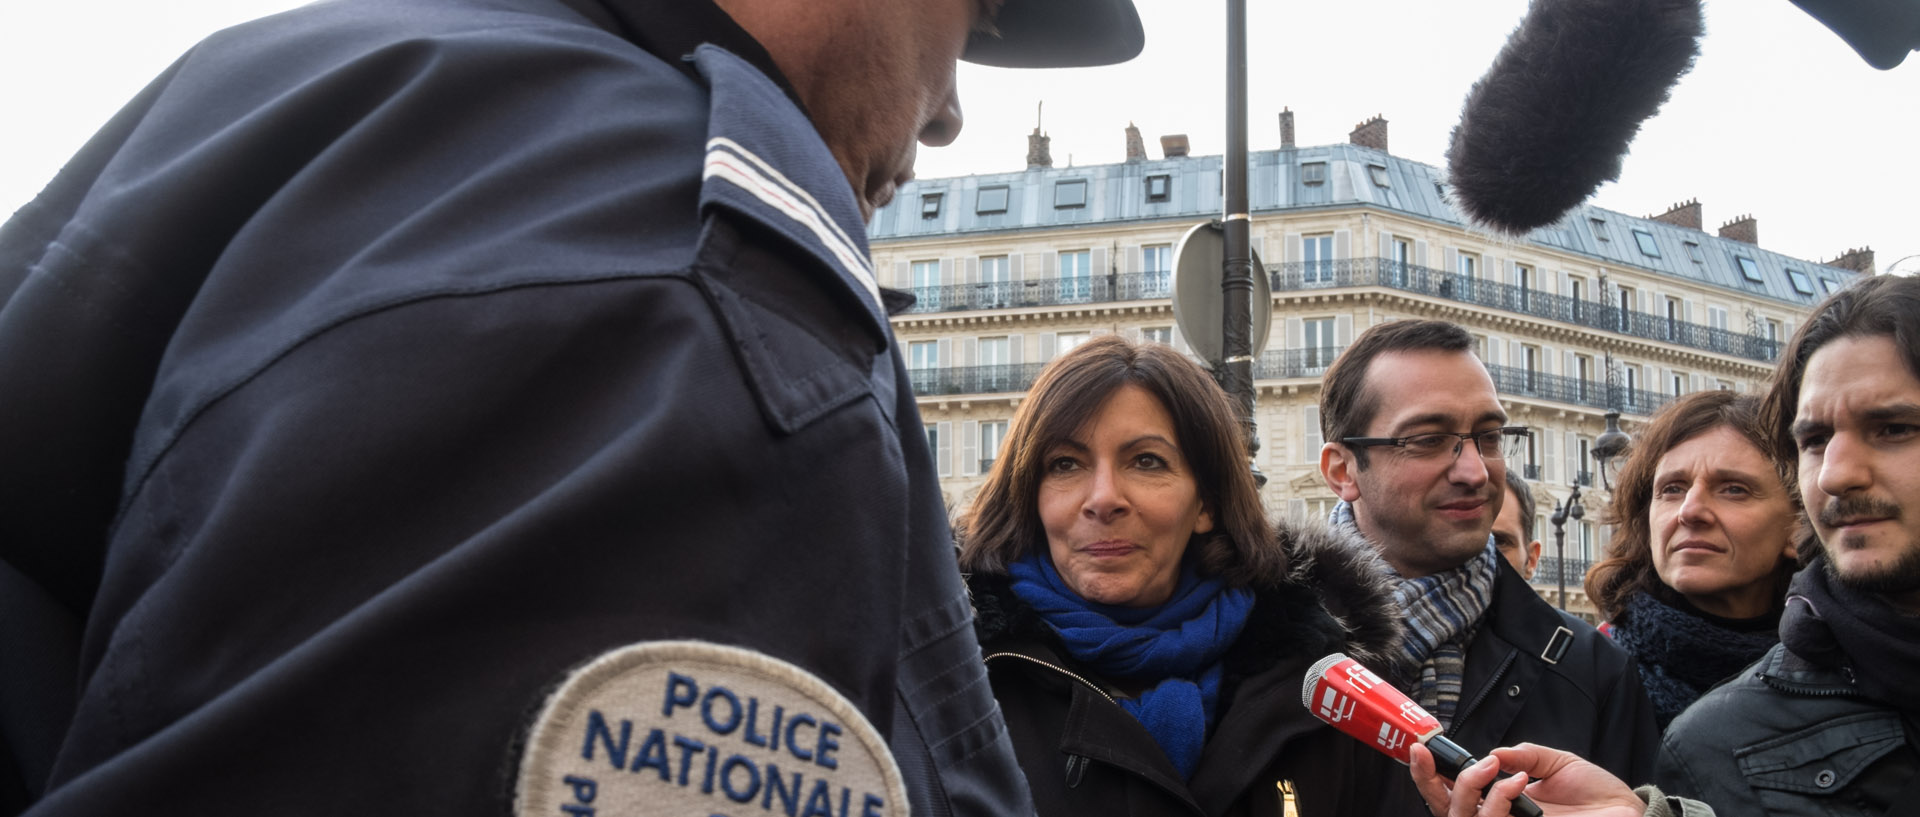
point(1145, 630)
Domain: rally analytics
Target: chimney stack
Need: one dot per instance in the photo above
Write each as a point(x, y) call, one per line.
point(1744, 228)
point(1039, 149)
point(1860, 260)
point(1371, 133)
point(1173, 145)
point(1685, 214)
point(1286, 129)
point(1136, 147)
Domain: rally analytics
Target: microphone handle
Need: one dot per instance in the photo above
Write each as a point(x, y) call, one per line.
point(1449, 758)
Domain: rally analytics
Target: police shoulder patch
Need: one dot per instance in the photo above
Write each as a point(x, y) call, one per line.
point(695, 729)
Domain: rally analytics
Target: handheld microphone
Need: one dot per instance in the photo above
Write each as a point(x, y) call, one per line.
point(1347, 695)
point(1553, 116)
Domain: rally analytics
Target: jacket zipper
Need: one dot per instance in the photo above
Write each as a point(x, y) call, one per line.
point(1460, 715)
point(1056, 668)
point(1076, 764)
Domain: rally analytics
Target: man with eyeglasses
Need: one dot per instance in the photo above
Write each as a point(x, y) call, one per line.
point(1417, 446)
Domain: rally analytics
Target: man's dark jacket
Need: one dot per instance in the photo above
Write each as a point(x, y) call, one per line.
point(1792, 736)
point(1536, 674)
point(385, 359)
point(1085, 755)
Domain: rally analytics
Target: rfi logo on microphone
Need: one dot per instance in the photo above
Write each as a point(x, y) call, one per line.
point(1391, 739)
point(1335, 707)
point(1362, 677)
point(1412, 712)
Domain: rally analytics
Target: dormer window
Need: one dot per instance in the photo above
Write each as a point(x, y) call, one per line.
point(1069, 194)
point(1647, 246)
point(991, 200)
point(1159, 187)
point(930, 205)
point(1313, 173)
point(1379, 174)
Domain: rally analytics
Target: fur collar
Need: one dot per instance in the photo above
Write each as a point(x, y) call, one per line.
point(1334, 596)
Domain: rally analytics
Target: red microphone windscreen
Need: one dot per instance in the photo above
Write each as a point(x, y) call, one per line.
point(1344, 693)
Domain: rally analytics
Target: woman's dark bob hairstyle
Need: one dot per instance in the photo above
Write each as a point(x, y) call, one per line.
point(1003, 523)
point(1628, 566)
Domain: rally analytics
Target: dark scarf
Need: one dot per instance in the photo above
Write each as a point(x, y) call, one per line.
point(1829, 624)
point(1684, 652)
point(1179, 643)
point(1442, 612)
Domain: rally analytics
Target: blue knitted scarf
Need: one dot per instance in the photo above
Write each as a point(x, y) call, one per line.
point(1180, 642)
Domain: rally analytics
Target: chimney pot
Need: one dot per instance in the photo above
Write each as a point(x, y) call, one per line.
point(1744, 229)
point(1286, 129)
point(1174, 145)
point(1039, 149)
point(1136, 147)
point(1685, 214)
point(1371, 133)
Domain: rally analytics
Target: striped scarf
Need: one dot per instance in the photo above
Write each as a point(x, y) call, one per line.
point(1443, 612)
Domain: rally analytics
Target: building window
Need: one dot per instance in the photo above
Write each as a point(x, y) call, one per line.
point(1599, 226)
point(1162, 335)
point(1530, 366)
point(1402, 252)
point(933, 437)
point(1156, 264)
point(1677, 384)
point(992, 352)
point(1316, 255)
point(1583, 376)
point(1313, 172)
point(1626, 308)
point(1159, 187)
point(991, 200)
point(1070, 194)
point(1076, 275)
point(1379, 174)
point(1831, 286)
point(1693, 253)
point(926, 274)
point(1748, 269)
point(1318, 343)
point(992, 433)
point(930, 204)
point(1645, 240)
point(1773, 331)
point(1717, 317)
point(1066, 341)
point(1675, 313)
point(1630, 378)
point(1801, 283)
point(994, 269)
point(1467, 265)
point(923, 354)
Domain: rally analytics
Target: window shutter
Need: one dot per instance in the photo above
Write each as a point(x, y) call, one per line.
point(969, 352)
point(1016, 348)
point(1452, 257)
point(1494, 348)
point(902, 275)
point(1132, 262)
point(1342, 330)
point(1386, 245)
point(1310, 440)
point(1572, 457)
point(1516, 356)
point(1046, 347)
point(945, 455)
point(1552, 470)
point(1049, 265)
point(1296, 334)
point(1420, 253)
point(943, 353)
point(1014, 263)
point(973, 269)
point(1688, 315)
point(1098, 262)
point(970, 448)
point(946, 272)
point(1546, 359)
point(1342, 243)
point(1572, 369)
point(1294, 252)
point(1509, 271)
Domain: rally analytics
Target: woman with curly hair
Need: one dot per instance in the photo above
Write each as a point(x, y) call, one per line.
point(1696, 575)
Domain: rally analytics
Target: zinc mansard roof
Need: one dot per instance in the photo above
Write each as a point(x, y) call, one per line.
point(1188, 188)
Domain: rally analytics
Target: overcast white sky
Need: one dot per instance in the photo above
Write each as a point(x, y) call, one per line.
point(1779, 118)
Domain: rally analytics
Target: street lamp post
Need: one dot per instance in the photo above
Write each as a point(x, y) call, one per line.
point(1571, 508)
point(1236, 283)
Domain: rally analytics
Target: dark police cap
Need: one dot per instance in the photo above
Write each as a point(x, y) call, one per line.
point(1059, 34)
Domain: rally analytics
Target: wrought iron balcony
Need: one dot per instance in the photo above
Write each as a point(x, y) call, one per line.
point(1546, 575)
point(1531, 471)
point(974, 379)
point(1359, 272)
point(1278, 364)
point(1512, 381)
point(1583, 478)
point(1135, 286)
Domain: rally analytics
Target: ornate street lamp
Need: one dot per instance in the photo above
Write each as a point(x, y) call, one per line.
point(1570, 508)
point(1610, 448)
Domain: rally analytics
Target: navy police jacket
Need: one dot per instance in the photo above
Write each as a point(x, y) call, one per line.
point(390, 378)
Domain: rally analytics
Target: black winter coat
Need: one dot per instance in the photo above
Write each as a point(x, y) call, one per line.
point(1536, 674)
point(1084, 755)
point(1790, 737)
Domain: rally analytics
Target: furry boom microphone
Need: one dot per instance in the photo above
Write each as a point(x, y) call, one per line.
point(1552, 118)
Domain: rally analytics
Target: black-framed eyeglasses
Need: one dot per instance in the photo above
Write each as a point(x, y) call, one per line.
point(1493, 443)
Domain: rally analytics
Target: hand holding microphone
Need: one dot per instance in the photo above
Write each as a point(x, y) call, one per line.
point(1344, 693)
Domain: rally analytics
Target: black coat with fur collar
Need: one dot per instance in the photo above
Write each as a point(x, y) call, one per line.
point(1083, 754)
